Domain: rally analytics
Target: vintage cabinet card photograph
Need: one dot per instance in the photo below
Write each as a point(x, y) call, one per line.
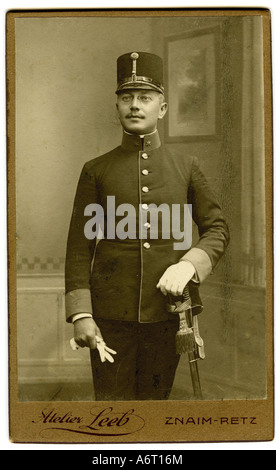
point(140, 225)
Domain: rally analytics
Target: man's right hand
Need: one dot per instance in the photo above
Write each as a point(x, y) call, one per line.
point(85, 332)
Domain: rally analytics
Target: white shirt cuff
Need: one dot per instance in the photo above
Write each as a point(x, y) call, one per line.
point(81, 315)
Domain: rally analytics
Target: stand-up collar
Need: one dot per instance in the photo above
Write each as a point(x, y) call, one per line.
point(135, 142)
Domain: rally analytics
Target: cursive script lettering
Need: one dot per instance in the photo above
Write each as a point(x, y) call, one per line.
point(106, 422)
point(104, 419)
point(53, 416)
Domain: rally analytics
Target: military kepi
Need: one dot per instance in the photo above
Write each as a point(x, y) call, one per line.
point(139, 70)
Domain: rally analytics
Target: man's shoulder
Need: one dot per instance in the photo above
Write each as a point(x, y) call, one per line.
point(178, 155)
point(102, 160)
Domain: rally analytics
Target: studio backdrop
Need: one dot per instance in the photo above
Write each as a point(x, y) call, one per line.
point(66, 115)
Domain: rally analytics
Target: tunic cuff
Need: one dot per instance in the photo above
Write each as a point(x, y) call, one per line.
point(77, 301)
point(201, 262)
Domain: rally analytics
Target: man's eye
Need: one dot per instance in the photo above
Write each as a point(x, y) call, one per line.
point(126, 98)
point(145, 98)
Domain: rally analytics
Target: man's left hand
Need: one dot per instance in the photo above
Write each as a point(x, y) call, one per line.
point(175, 278)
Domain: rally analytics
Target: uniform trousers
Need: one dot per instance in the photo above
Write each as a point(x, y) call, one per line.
point(145, 364)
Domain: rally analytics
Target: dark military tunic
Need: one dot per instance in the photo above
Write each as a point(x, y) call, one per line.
point(121, 285)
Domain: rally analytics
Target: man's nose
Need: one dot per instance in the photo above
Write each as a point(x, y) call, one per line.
point(135, 103)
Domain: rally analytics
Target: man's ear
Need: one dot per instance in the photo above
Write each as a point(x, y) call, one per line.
point(163, 110)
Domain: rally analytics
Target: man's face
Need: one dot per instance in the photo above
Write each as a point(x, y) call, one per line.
point(139, 110)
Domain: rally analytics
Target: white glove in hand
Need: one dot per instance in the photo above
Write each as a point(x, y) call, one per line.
point(101, 346)
point(104, 350)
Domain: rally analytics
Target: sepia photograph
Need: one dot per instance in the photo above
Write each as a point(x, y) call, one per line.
point(140, 225)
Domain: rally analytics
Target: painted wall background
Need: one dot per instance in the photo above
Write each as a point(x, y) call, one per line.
point(65, 100)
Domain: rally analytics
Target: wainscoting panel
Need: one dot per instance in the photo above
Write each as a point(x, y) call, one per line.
point(44, 352)
point(232, 326)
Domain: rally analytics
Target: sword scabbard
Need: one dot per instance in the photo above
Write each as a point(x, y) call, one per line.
point(188, 338)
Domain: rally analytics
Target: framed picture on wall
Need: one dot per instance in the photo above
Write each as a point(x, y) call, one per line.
point(193, 84)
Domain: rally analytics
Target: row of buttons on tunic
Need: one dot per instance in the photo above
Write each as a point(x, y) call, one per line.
point(145, 189)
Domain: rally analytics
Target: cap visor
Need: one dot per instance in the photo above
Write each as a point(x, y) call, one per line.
point(138, 86)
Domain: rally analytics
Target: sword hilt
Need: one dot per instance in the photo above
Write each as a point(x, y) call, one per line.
point(188, 338)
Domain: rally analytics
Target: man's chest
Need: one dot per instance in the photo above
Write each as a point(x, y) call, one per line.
point(145, 178)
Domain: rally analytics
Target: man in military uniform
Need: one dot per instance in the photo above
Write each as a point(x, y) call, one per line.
point(123, 297)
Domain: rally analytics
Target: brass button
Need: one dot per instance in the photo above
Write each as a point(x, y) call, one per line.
point(145, 172)
point(145, 156)
point(145, 189)
point(145, 207)
point(146, 245)
point(147, 225)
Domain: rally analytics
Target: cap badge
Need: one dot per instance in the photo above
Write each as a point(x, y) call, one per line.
point(134, 56)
